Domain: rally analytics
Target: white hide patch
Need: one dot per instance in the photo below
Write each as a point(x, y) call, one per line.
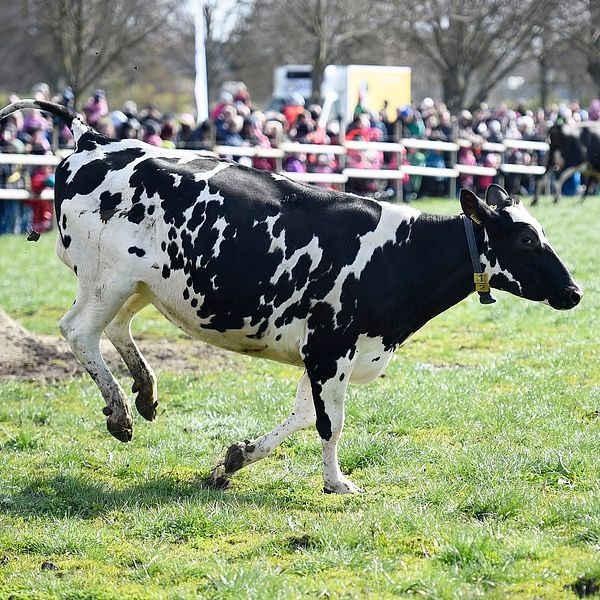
point(278, 177)
point(518, 213)
point(206, 175)
point(220, 225)
point(496, 269)
point(391, 218)
point(79, 128)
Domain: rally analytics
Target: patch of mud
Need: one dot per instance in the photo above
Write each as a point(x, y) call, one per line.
point(41, 357)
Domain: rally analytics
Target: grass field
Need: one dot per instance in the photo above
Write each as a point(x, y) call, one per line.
point(479, 451)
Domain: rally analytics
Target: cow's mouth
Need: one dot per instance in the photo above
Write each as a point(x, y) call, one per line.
point(567, 299)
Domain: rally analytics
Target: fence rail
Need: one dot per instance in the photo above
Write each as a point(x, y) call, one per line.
point(20, 194)
point(278, 154)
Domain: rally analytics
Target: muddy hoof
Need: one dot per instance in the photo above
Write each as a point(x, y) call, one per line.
point(123, 434)
point(216, 481)
point(235, 457)
point(146, 406)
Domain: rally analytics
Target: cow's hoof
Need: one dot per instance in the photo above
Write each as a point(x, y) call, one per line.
point(237, 456)
point(123, 434)
point(217, 480)
point(343, 486)
point(145, 401)
point(121, 428)
point(146, 406)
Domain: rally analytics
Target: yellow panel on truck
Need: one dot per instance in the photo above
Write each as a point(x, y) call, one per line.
point(376, 85)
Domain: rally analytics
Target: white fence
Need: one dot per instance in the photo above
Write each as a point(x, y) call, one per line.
point(340, 179)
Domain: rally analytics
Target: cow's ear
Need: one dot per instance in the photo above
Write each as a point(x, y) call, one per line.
point(475, 208)
point(497, 197)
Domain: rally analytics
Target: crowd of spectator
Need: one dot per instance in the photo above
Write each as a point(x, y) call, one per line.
point(236, 121)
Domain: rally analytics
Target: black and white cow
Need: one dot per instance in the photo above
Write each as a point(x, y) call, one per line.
point(572, 148)
point(255, 263)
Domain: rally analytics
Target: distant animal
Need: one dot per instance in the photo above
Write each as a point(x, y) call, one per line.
point(572, 148)
point(255, 263)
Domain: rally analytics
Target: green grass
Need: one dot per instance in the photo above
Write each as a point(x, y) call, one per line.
point(479, 451)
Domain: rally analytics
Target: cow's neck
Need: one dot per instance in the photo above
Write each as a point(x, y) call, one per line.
point(446, 273)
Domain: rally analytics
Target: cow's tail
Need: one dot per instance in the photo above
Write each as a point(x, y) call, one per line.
point(73, 121)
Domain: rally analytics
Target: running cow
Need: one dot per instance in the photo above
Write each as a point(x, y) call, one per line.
point(255, 263)
point(573, 148)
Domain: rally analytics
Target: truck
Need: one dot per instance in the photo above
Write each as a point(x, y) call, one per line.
point(375, 87)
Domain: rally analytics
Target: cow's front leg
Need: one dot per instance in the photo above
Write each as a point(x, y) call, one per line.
point(303, 415)
point(328, 397)
point(96, 305)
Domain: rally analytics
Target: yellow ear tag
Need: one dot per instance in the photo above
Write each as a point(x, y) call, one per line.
point(482, 283)
point(475, 220)
point(14, 177)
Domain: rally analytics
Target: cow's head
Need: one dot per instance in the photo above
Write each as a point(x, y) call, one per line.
point(517, 255)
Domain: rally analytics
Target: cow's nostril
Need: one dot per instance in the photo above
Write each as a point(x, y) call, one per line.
point(575, 296)
point(572, 296)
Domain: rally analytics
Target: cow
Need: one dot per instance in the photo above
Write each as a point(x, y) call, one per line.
point(257, 264)
point(572, 148)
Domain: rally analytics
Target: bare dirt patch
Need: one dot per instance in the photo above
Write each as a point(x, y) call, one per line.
point(41, 357)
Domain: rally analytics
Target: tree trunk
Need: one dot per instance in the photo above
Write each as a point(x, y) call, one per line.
point(593, 69)
point(320, 55)
point(544, 80)
point(317, 79)
point(452, 91)
point(593, 66)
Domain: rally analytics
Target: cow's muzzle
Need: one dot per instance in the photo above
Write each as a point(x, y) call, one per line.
point(569, 298)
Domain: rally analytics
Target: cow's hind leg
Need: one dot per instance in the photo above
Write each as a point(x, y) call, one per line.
point(590, 186)
point(566, 174)
point(96, 305)
point(144, 378)
point(539, 179)
point(303, 415)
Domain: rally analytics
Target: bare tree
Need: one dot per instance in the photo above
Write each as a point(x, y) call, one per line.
point(318, 32)
point(17, 38)
point(222, 25)
point(330, 28)
point(582, 31)
point(472, 45)
point(85, 39)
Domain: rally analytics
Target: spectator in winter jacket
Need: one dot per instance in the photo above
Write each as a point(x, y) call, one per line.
point(42, 179)
point(96, 107)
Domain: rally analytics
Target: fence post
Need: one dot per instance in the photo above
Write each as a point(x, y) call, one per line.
point(452, 183)
point(399, 182)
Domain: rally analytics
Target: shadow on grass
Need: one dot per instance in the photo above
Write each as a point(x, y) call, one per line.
point(62, 496)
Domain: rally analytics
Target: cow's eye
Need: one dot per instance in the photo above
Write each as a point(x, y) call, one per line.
point(527, 240)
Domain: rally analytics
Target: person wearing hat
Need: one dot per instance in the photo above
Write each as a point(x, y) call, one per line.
point(96, 107)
